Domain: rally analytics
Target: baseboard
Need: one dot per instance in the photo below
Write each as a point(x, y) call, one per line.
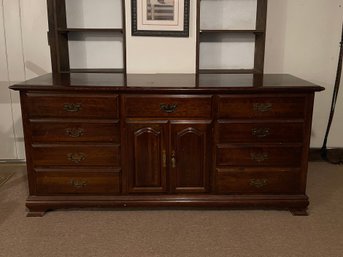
point(333, 153)
point(12, 162)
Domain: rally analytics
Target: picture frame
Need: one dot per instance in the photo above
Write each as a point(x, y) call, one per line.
point(160, 18)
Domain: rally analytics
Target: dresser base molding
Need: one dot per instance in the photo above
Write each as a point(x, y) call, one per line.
point(296, 204)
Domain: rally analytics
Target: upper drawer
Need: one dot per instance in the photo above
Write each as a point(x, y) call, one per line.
point(101, 106)
point(61, 131)
point(266, 132)
point(243, 106)
point(168, 106)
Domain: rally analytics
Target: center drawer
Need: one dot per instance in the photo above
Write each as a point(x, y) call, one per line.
point(257, 155)
point(100, 106)
point(265, 132)
point(168, 106)
point(76, 155)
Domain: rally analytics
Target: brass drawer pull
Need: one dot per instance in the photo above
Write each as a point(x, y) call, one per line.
point(259, 157)
point(78, 183)
point(72, 107)
point(260, 132)
point(263, 107)
point(173, 160)
point(74, 132)
point(76, 157)
point(168, 108)
point(259, 183)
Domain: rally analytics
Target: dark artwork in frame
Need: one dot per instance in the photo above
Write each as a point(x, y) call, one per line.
point(160, 18)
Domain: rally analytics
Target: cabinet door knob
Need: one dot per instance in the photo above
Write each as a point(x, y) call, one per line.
point(260, 132)
point(76, 157)
point(72, 107)
point(259, 157)
point(78, 183)
point(74, 132)
point(173, 159)
point(168, 108)
point(263, 107)
point(259, 183)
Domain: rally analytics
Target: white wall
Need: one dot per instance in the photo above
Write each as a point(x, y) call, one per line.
point(24, 54)
point(302, 39)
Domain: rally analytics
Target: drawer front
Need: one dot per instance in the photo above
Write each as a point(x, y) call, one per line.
point(76, 106)
point(259, 156)
point(249, 107)
point(258, 182)
point(279, 132)
point(168, 106)
point(76, 183)
point(76, 155)
point(43, 131)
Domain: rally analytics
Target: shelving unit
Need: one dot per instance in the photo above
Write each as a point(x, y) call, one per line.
point(234, 44)
point(80, 43)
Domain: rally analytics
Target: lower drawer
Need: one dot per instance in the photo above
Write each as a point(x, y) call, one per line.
point(75, 183)
point(76, 155)
point(257, 182)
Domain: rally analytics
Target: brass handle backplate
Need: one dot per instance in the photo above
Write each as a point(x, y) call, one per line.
point(76, 157)
point(260, 132)
point(259, 157)
point(78, 183)
point(168, 108)
point(259, 183)
point(263, 107)
point(173, 160)
point(72, 107)
point(74, 132)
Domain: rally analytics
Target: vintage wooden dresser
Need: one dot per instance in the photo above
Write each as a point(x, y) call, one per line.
point(115, 140)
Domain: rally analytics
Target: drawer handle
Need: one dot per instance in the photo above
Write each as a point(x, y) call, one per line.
point(76, 157)
point(263, 107)
point(168, 108)
point(173, 160)
point(259, 157)
point(74, 132)
point(259, 183)
point(260, 132)
point(72, 107)
point(78, 183)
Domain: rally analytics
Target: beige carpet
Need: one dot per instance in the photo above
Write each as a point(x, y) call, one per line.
point(163, 233)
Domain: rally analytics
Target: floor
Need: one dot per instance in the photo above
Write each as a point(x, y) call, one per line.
point(164, 233)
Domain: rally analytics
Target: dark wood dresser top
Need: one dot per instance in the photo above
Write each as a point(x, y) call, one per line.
point(170, 83)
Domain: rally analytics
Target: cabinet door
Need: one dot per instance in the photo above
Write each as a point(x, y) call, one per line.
point(147, 162)
point(190, 156)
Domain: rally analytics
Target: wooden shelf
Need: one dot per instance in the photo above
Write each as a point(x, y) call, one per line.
point(231, 31)
point(94, 71)
point(229, 71)
point(103, 30)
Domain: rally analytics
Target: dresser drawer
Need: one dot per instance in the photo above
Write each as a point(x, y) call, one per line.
point(250, 107)
point(62, 131)
point(168, 106)
point(76, 155)
point(268, 132)
point(76, 183)
point(100, 106)
point(259, 156)
point(258, 182)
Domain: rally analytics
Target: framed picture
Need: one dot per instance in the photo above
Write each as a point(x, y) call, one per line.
point(164, 18)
